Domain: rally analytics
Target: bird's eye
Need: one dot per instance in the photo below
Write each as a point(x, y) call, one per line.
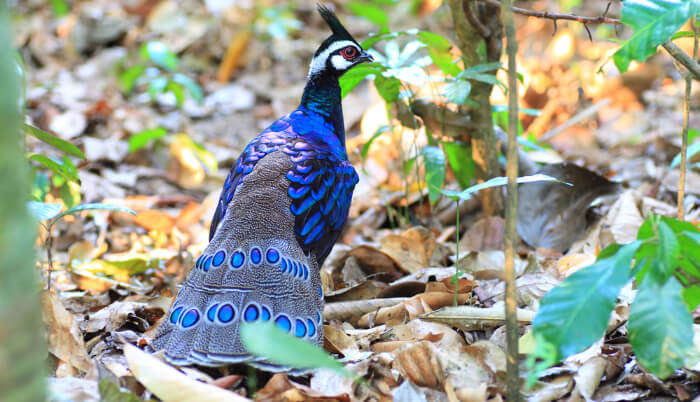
point(349, 53)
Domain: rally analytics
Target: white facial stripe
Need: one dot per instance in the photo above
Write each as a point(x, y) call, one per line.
point(318, 63)
point(339, 62)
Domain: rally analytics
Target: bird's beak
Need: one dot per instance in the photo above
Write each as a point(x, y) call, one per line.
point(365, 57)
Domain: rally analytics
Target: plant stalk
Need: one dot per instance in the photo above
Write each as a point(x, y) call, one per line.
point(684, 133)
point(512, 376)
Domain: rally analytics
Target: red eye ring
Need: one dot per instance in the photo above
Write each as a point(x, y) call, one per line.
point(349, 53)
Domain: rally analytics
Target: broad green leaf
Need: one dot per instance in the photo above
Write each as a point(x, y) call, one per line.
point(54, 141)
point(54, 166)
point(575, 314)
point(654, 21)
point(349, 80)
point(266, 340)
point(160, 55)
point(498, 181)
point(457, 91)
point(660, 326)
point(487, 78)
point(190, 85)
point(692, 150)
point(388, 87)
point(92, 206)
point(365, 147)
point(128, 77)
point(143, 138)
point(443, 59)
point(434, 40)
point(369, 11)
point(691, 296)
point(43, 210)
point(667, 252)
point(434, 171)
point(40, 185)
point(459, 156)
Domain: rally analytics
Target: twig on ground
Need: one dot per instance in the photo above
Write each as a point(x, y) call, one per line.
point(582, 115)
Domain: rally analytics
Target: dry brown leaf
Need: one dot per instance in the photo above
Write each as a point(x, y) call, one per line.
point(233, 56)
point(484, 234)
point(153, 219)
point(553, 390)
point(420, 364)
point(189, 215)
point(412, 249)
point(336, 341)
point(470, 318)
point(588, 377)
point(168, 384)
point(571, 263)
point(623, 220)
point(280, 389)
point(64, 337)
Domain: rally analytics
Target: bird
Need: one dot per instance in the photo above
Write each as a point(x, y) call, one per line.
point(281, 209)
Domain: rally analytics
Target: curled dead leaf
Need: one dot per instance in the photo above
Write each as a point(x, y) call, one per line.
point(420, 364)
point(169, 384)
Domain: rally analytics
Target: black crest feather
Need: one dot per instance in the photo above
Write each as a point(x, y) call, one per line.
point(333, 22)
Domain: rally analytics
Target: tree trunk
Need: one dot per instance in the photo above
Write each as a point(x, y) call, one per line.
point(479, 37)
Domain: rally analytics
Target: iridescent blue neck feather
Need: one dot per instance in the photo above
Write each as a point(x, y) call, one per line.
point(322, 96)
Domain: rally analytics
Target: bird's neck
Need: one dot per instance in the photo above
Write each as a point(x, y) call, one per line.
point(322, 96)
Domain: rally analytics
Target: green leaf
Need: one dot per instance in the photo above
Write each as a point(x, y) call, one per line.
point(388, 87)
point(156, 86)
point(128, 77)
point(691, 296)
point(484, 67)
point(575, 314)
point(457, 91)
point(667, 253)
point(459, 156)
point(42, 211)
point(443, 59)
point(487, 78)
point(160, 55)
point(683, 34)
point(654, 21)
point(110, 392)
point(365, 147)
point(177, 90)
point(369, 11)
point(349, 80)
point(59, 8)
point(266, 340)
point(434, 40)
point(434, 171)
point(190, 85)
point(660, 326)
point(143, 138)
point(53, 166)
point(92, 206)
point(692, 150)
point(498, 181)
point(54, 141)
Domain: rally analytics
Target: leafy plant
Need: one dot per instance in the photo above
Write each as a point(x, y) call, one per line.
point(266, 340)
point(654, 21)
point(157, 73)
point(665, 263)
point(49, 213)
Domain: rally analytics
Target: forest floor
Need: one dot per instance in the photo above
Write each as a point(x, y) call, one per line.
point(114, 274)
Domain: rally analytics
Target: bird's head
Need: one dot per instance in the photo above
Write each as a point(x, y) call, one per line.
point(339, 52)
